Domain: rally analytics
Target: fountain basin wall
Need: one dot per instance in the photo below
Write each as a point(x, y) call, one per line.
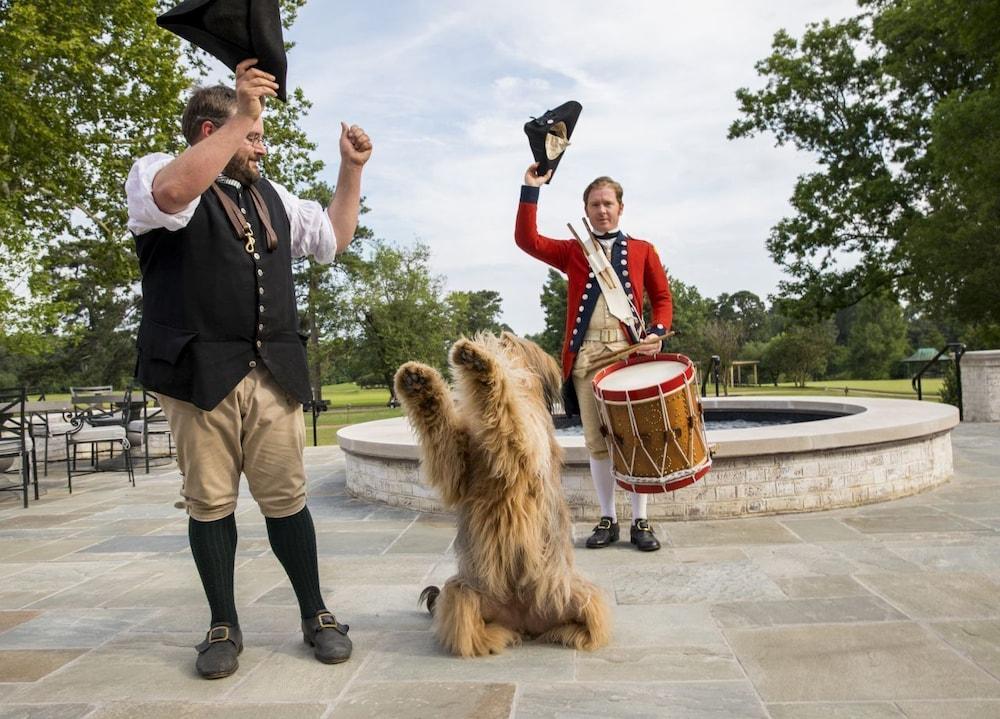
point(879, 450)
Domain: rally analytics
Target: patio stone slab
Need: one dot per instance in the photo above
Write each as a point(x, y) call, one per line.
point(47, 711)
point(798, 560)
point(421, 539)
point(15, 618)
point(332, 544)
point(871, 661)
point(917, 523)
point(938, 595)
point(825, 529)
point(816, 587)
point(674, 663)
point(805, 611)
point(977, 640)
point(161, 668)
point(762, 530)
point(962, 556)
point(701, 700)
point(30, 665)
point(827, 710)
point(159, 544)
point(302, 677)
point(188, 710)
point(441, 700)
point(671, 583)
point(416, 656)
point(656, 625)
point(72, 629)
point(969, 709)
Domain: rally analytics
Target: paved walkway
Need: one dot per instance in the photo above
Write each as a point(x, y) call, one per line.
point(889, 610)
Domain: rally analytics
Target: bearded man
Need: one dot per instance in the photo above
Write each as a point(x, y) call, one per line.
point(218, 341)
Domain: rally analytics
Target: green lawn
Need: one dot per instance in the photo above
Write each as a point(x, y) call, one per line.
point(898, 388)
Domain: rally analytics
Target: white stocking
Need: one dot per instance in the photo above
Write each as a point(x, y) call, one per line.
point(638, 506)
point(604, 485)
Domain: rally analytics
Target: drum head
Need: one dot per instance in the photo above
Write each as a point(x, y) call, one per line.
point(637, 376)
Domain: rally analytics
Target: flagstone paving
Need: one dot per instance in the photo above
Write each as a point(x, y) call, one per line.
point(881, 612)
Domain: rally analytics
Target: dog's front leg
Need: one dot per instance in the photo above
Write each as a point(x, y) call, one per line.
point(515, 443)
point(443, 440)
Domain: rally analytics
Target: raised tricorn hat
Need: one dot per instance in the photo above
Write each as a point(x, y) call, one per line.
point(548, 135)
point(233, 30)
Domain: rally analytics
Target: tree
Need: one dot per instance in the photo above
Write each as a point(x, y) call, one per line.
point(691, 313)
point(746, 310)
point(553, 303)
point(875, 338)
point(900, 105)
point(85, 88)
point(399, 312)
point(475, 311)
point(800, 352)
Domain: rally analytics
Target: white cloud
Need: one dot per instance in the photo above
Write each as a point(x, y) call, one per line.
point(444, 88)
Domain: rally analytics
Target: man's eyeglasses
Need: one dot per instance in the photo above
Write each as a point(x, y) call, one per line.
point(254, 138)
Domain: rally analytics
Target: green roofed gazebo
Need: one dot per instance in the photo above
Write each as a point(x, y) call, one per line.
point(921, 357)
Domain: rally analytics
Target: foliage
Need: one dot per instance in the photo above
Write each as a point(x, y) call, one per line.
point(800, 352)
point(553, 302)
point(85, 89)
point(950, 390)
point(900, 106)
point(874, 333)
point(474, 311)
point(397, 313)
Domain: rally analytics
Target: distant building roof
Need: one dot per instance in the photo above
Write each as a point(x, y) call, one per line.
point(926, 354)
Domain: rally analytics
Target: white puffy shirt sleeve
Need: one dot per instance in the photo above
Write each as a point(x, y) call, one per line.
point(312, 233)
point(143, 214)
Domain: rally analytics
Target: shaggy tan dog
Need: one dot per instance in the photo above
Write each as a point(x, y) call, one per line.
point(493, 456)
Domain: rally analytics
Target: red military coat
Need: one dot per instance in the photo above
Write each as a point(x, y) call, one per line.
point(635, 262)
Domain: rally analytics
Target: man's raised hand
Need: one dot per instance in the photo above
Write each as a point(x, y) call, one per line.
point(355, 145)
point(252, 86)
point(535, 180)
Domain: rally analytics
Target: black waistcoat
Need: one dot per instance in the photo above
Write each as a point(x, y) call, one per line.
point(212, 311)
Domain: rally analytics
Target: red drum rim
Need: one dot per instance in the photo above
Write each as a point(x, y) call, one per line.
point(673, 485)
point(642, 393)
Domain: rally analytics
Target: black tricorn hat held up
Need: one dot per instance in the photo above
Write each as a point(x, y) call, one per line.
point(233, 30)
point(548, 135)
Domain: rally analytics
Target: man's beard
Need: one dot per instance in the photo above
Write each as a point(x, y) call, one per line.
point(240, 170)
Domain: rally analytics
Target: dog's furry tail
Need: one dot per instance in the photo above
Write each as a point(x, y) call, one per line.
point(429, 595)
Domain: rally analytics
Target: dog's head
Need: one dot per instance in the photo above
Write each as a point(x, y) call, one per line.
point(539, 362)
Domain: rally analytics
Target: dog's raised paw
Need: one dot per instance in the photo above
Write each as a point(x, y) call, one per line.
point(469, 355)
point(413, 379)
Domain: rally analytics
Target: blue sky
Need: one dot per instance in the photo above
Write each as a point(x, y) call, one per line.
point(444, 89)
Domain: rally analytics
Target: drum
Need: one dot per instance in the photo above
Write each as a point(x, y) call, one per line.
point(652, 420)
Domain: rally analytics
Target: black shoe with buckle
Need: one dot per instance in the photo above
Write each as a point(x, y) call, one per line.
point(217, 655)
point(327, 637)
point(643, 537)
point(604, 534)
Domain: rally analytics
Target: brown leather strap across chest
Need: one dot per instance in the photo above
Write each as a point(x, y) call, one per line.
point(240, 224)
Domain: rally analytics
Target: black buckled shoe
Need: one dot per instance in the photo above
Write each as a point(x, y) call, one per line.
point(217, 655)
point(643, 537)
point(327, 637)
point(604, 534)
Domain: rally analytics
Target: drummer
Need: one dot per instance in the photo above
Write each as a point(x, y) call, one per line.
point(593, 336)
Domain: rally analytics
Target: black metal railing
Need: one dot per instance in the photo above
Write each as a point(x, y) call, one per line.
point(957, 349)
point(315, 406)
point(714, 374)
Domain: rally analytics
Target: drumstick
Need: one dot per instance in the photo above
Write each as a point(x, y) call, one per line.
point(631, 348)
